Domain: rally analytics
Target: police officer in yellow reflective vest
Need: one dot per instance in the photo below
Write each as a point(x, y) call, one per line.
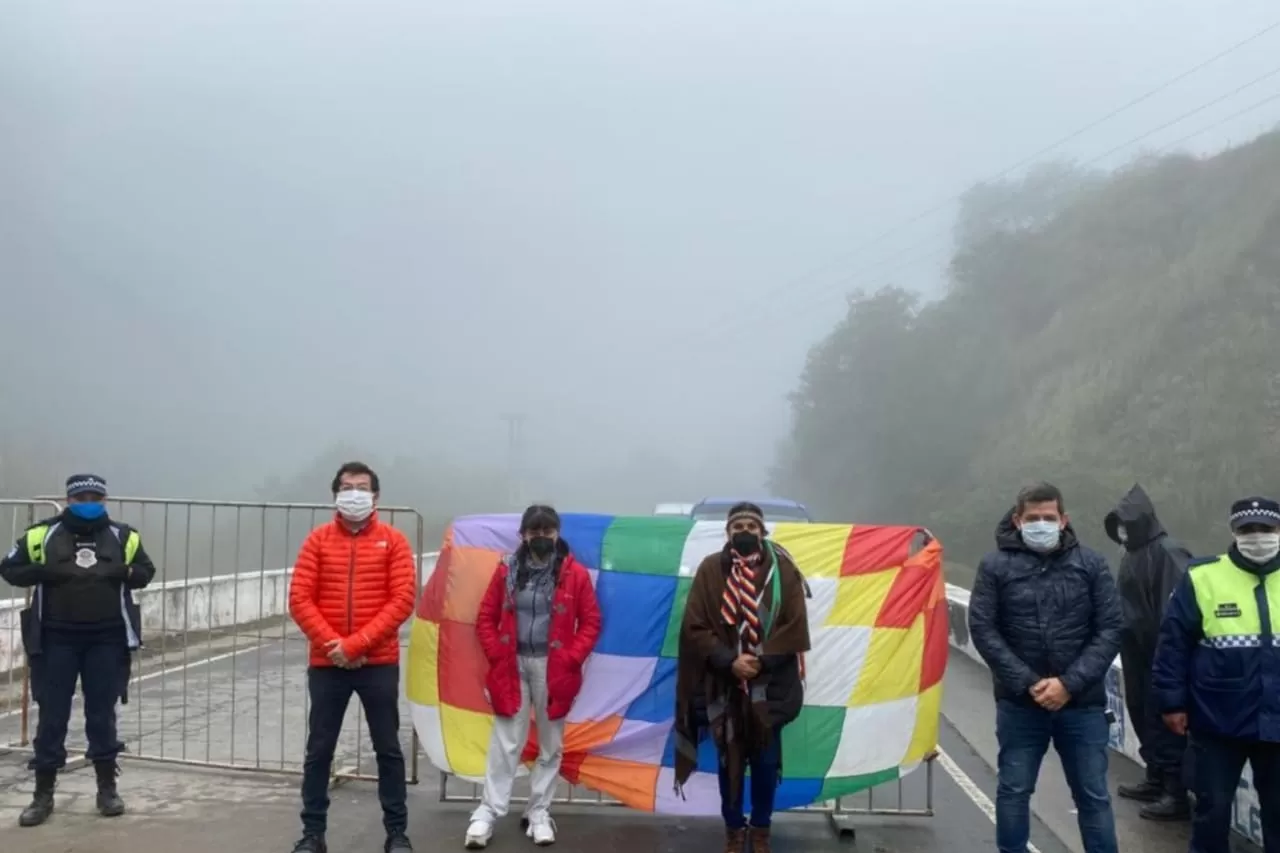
point(82, 623)
point(1217, 674)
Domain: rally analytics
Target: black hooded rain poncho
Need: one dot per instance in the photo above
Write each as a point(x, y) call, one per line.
point(1152, 566)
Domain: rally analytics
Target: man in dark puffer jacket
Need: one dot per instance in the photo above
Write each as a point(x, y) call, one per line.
point(1045, 616)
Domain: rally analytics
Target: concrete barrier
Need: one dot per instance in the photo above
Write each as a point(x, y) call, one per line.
point(187, 606)
point(1124, 740)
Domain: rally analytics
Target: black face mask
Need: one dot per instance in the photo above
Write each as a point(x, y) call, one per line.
point(542, 547)
point(745, 544)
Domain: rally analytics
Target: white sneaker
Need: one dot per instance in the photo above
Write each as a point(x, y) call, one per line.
point(542, 830)
point(478, 834)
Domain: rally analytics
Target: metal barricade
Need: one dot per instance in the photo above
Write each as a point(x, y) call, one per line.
point(15, 517)
point(909, 796)
point(222, 678)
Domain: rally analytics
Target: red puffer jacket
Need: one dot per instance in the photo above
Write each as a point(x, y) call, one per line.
point(575, 627)
point(355, 587)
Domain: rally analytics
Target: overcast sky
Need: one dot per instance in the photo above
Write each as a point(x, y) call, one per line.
point(233, 233)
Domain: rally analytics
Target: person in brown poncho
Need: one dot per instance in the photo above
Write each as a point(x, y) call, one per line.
point(738, 678)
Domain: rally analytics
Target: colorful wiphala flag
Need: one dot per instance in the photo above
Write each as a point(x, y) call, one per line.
point(878, 622)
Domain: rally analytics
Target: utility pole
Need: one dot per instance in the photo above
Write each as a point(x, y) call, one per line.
point(515, 496)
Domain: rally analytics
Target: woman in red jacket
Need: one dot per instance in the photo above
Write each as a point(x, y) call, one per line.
point(538, 623)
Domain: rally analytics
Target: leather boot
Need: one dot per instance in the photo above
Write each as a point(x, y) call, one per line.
point(1148, 790)
point(109, 802)
point(1173, 804)
point(311, 844)
point(760, 840)
point(42, 801)
point(735, 840)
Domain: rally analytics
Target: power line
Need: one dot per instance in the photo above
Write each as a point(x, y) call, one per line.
point(1235, 115)
point(952, 199)
point(860, 276)
point(1255, 81)
point(943, 250)
point(1146, 96)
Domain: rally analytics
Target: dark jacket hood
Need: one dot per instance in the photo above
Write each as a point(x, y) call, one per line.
point(1136, 512)
point(1009, 539)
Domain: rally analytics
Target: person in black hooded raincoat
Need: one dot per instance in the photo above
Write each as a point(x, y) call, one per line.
point(1151, 568)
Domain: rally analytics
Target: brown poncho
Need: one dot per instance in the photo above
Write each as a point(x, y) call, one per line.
point(741, 722)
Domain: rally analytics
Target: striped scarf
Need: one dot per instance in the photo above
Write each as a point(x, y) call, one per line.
point(741, 604)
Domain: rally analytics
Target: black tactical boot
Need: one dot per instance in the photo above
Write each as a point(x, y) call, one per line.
point(42, 802)
point(310, 843)
point(1172, 805)
point(109, 802)
point(1149, 790)
point(397, 842)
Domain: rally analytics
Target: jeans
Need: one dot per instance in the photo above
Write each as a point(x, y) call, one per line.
point(1216, 767)
point(1080, 737)
point(765, 767)
point(98, 665)
point(379, 690)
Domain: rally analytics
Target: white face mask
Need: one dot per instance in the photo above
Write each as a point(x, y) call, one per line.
point(354, 504)
point(1122, 534)
point(1042, 536)
point(1258, 547)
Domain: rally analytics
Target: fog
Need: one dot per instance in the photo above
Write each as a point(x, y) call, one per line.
point(237, 235)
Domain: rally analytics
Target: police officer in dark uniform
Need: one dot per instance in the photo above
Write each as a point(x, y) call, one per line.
point(82, 624)
point(1217, 675)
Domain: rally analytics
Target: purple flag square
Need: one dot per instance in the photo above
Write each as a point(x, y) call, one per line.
point(610, 684)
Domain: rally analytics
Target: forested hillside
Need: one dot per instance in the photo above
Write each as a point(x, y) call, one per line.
point(1098, 330)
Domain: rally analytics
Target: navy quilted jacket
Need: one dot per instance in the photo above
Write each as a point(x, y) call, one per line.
point(1034, 616)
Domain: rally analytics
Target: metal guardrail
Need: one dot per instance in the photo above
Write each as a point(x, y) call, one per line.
point(229, 665)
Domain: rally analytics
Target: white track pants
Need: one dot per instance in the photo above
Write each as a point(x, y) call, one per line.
point(509, 737)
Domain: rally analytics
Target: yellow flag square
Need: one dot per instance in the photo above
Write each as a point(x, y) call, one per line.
point(422, 681)
point(925, 737)
point(466, 739)
point(818, 549)
point(892, 667)
point(860, 597)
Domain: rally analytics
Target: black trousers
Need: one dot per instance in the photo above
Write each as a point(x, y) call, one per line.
point(64, 659)
point(1217, 764)
point(379, 690)
point(1162, 751)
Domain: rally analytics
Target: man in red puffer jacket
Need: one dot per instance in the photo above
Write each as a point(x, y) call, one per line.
point(538, 622)
point(353, 586)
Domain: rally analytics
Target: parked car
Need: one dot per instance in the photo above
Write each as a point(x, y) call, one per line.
point(776, 510)
point(673, 509)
